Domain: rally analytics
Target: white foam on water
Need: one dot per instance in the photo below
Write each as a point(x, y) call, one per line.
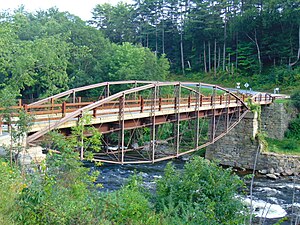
point(296, 204)
point(265, 209)
point(297, 186)
point(271, 191)
point(274, 200)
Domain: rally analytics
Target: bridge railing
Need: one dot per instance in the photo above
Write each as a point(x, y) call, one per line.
point(56, 108)
point(262, 98)
point(57, 111)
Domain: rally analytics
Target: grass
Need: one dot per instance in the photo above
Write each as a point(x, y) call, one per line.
point(283, 101)
point(285, 146)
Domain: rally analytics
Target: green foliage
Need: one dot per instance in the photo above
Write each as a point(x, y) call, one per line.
point(129, 205)
point(62, 192)
point(202, 193)
point(129, 62)
point(296, 99)
point(294, 129)
point(262, 139)
point(253, 106)
point(285, 146)
point(11, 186)
point(47, 52)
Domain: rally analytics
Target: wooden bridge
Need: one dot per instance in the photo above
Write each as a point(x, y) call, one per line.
point(142, 121)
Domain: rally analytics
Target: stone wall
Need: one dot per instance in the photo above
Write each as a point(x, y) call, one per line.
point(239, 147)
point(277, 163)
point(275, 119)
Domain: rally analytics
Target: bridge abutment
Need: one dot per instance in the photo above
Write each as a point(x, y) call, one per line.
point(239, 147)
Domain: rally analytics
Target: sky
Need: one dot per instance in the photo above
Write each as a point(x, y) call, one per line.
point(81, 8)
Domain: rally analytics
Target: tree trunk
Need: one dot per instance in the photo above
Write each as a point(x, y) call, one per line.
point(298, 56)
point(229, 62)
point(215, 58)
point(163, 37)
point(257, 48)
point(258, 53)
point(224, 45)
point(147, 41)
point(156, 45)
point(209, 58)
point(181, 52)
point(204, 58)
point(219, 57)
point(237, 50)
point(181, 42)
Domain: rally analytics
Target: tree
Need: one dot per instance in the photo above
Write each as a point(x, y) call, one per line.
point(116, 22)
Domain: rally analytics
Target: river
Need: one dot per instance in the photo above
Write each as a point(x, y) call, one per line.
point(272, 199)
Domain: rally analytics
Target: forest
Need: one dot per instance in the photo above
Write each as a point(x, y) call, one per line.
point(50, 51)
point(224, 42)
point(258, 40)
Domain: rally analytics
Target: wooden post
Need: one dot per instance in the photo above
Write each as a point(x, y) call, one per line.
point(189, 101)
point(95, 112)
point(74, 97)
point(107, 91)
point(221, 99)
point(159, 104)
point(20, 102)
point(63, 109)
point(52, 103)
point(79, 101)
point(201, 100)
point(25, 106)
point(142, 104)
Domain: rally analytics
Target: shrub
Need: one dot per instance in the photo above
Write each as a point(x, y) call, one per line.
point(290, 144)
point(129, 205)
point(10, 187)
point(202, 193)
point(293, 131)
point(296, 99)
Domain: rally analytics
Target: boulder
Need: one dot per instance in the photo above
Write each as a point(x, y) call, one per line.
point(271, 176)
point(271, 170)
point(263, 171)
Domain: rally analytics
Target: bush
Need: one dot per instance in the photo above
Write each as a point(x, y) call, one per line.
point(202, 193)
point(293, 131)
point(10, 187)
point(296, 99)
point(290, 144)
